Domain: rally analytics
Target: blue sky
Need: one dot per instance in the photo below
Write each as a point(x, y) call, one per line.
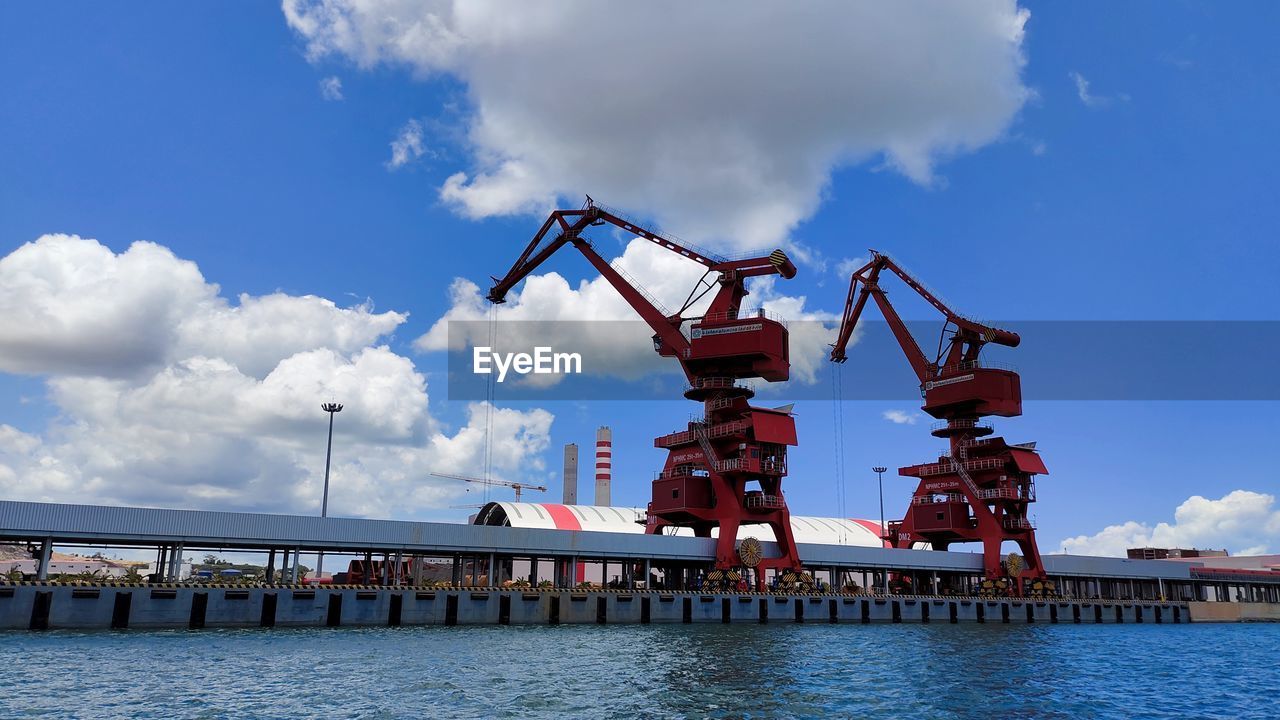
point(1136, 181)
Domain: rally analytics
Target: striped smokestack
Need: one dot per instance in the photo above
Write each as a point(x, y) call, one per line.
point(604, 465)
point(570, 474)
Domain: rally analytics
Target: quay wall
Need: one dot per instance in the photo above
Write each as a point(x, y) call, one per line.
point(60, 606)
point(1234, 612)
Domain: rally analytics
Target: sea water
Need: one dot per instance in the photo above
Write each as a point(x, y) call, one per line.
point(648, 671)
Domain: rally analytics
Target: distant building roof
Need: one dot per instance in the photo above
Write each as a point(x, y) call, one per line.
point(591, 518)
point(1239, 562)
point(1155, 553)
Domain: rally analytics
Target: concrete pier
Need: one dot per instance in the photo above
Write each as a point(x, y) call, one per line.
point(53, 606)
point(657, 578)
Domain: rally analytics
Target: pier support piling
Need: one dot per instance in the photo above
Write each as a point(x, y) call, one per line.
point(46, 552)
point(175, 564)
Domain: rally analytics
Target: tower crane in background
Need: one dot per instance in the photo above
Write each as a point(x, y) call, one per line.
point(980, 490)
point(724, 469)
point(488, 482)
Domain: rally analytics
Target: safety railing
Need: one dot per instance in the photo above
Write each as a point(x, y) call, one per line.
point(955, 465)
point(733, 427)
point(752, 314)
point(998, 493)
point(753, 502)
point(714, 383)
point(730, 465)
point(719, 383)
point(934, 499)
point(719, 403)
point(676, 438)
point(1008, 493)
point(654, 301)
point(684, 437)
point(970, 365)
point(681, 471)
point(657, 234)
point(960, 425)
point(764, 467)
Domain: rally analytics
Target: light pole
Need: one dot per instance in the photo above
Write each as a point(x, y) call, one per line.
point(333, 409)
point(879, 471)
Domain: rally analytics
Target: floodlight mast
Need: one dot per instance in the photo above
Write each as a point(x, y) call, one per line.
point(332, 408)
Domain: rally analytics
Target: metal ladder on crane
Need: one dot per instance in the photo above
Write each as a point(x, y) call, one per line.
point(699, 429)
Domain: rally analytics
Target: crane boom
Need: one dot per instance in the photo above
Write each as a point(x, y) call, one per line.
point(964, 346)
point(571, 223)
point(569, 226)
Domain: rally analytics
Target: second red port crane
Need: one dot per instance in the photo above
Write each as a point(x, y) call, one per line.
point(980, 490)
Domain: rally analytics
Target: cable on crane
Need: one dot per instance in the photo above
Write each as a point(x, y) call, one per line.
point(837, 405)
point(489, 397)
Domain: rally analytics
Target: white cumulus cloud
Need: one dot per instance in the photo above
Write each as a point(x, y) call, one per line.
point(260, 331)
point(1242, 521)
point(727, 123)
point(407, 145)
point(169, 395)
point(847, 266)
point(71, 306)
point(899, 417)
point(1082, 90)
point(1088, 97)
point(331, 88)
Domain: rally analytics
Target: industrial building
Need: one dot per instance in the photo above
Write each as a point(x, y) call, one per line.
point(570, 475)
point(61, 564)
point(1152, 553)
point(604, 467)
point(631, 520)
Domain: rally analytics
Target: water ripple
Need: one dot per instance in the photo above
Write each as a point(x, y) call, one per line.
point(702, 671)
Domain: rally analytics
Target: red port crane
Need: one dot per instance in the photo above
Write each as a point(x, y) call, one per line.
point(980, 490)
point(725, 469)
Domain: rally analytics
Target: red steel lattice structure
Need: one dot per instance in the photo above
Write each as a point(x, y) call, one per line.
point(980, 490)
point(724, 470)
